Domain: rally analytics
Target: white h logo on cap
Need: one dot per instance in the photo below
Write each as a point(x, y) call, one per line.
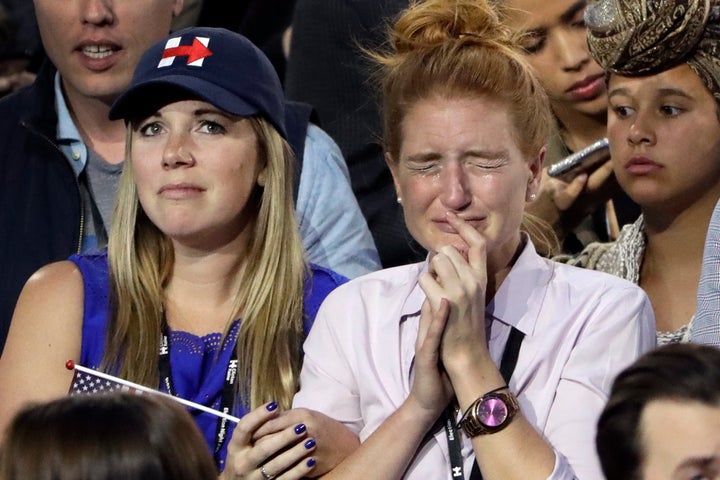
point(195, 53)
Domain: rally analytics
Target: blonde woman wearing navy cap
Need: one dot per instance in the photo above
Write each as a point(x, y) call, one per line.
point(204, 256)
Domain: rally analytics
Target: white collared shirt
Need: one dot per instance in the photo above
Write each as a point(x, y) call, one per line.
point(581, 328)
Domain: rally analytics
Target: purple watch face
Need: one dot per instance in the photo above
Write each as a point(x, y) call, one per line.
point(492, 412)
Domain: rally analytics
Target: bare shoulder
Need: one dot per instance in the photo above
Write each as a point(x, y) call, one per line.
point(55, 278)
point(45, 332)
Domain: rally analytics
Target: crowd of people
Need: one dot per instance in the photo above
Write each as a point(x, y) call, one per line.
point(331, 222)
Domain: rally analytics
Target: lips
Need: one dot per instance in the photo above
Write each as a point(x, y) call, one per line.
point(180, 191)
point(97, 51)
point(642, 165)
point(98, 55)
point(444, 226)
point(588, 88)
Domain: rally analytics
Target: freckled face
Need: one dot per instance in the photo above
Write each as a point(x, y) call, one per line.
point(196, 169)
point(665, 139)
point(461, 155)
point(690, 450)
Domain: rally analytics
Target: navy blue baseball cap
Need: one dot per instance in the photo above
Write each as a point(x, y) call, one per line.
point(212, 64)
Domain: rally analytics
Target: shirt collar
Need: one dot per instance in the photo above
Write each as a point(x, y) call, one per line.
point(520, 296)
point(517, 301)
point(68, 135)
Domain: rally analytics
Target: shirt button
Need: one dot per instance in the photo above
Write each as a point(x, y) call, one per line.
point(76, 156)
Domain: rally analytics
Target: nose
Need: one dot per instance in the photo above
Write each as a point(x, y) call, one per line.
point(98, 12)
point(571, 50)
point(178, 152)
point(454, 184)
point(641, 131)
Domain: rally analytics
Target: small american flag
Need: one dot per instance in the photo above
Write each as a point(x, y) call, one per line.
point(83, 383)
point(87, 381)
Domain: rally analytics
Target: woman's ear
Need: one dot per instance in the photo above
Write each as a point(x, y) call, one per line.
point(393, 166)
point(535, 167)
point(261, 177)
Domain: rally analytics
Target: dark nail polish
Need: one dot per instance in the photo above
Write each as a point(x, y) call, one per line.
point(311, 463)
point(271, 406)
point(300, 428)
point(310, 444)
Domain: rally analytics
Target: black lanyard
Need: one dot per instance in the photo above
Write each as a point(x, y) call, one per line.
point(507, 367)
point(228, 392)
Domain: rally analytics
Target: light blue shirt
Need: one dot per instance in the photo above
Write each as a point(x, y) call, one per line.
point(68, 136)
point(332, 226)
point(706, 326)
point(75, 150)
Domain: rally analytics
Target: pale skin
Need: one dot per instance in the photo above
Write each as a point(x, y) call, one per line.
point(691, 451)
point(463, 190)
point(92, 81)
point(665, 142)
point(195, 168)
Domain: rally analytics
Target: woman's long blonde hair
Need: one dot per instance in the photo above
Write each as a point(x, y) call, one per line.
point(269, 300)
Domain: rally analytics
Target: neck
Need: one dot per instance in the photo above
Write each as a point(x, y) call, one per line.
point(579, 130)
point(104, 136)
point(200, 295)
point(678, 238)
point(499, 267)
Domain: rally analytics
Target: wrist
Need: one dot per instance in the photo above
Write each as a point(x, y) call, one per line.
point(413, 412)
point(473, 383)
point(462, 362)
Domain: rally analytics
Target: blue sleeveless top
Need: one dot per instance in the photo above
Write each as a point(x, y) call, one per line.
point(198, 364)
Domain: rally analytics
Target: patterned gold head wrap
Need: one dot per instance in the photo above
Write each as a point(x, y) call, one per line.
point(643, 37)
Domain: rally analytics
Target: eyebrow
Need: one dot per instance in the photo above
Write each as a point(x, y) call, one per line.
point(697, 462)
point(475, 153)
point(663, 92)
point(214, 111)
point(569, 14)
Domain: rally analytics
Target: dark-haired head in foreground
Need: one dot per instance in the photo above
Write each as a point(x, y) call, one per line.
point(662, 420)
point(105, 437)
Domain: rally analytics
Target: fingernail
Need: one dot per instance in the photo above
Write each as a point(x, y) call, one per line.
point(300, 428)
point(311, 463)
point(310, 444)
point(271, 406)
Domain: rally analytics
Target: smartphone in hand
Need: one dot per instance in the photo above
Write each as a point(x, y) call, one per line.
point(581, 161)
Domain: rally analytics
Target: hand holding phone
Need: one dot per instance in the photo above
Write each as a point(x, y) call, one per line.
point(581, 161)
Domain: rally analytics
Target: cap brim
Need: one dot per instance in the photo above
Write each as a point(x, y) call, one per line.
point(144, 98)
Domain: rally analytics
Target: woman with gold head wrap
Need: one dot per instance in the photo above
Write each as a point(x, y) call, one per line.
point(664, 74)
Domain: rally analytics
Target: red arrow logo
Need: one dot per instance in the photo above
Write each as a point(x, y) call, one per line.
point(194, 52)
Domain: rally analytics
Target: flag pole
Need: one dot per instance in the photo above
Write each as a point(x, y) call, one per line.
point(71, 365)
